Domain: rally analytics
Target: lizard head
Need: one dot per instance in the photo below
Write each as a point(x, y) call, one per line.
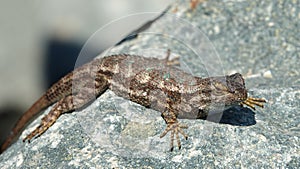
point(228, 90)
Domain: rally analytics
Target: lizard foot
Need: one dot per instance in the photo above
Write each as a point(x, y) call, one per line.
point(251, 102)
point(173, 62)
point(175, 128)
point(47, 122)
point(37, 132)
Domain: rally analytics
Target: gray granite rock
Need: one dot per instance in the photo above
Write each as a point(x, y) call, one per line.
point(259, 39)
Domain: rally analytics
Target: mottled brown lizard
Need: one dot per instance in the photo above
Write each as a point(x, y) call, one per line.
point(153, 83)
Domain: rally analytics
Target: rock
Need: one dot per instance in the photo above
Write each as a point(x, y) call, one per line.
point(249, 36)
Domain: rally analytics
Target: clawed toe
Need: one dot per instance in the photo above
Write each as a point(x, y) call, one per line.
point(35, 133)
point(27, 138)
point(175, 128)
point(174, 62)
point(252, 102)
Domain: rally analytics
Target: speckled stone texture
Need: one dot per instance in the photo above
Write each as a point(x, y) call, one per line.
point(259, 39)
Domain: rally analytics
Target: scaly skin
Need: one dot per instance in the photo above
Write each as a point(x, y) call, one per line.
point(151, 82)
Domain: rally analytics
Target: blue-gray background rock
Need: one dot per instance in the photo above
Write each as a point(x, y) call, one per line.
point(259, 39)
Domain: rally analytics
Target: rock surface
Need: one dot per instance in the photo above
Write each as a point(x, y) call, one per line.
point(259, 39)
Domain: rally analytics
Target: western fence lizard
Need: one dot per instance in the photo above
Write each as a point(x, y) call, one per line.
point(153, 83)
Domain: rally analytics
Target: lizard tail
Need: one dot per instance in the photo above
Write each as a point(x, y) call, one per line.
point(39, 105)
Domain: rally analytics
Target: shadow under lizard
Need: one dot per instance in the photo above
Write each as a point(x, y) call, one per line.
point(151, 82)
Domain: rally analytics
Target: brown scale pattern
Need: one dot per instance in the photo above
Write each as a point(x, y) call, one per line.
point(150, 82)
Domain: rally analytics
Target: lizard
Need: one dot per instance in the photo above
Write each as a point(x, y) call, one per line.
point(151, 82)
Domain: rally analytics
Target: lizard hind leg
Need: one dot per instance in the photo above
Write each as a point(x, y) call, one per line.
point(70, 103)
point(174, 127)
point(171, 62)
point(64, 105)
point(67, 104)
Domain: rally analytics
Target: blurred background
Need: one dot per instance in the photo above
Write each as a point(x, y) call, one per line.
point(40, 41)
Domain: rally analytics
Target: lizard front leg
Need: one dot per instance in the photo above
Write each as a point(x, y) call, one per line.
point(174, 127)
point(69, 103)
